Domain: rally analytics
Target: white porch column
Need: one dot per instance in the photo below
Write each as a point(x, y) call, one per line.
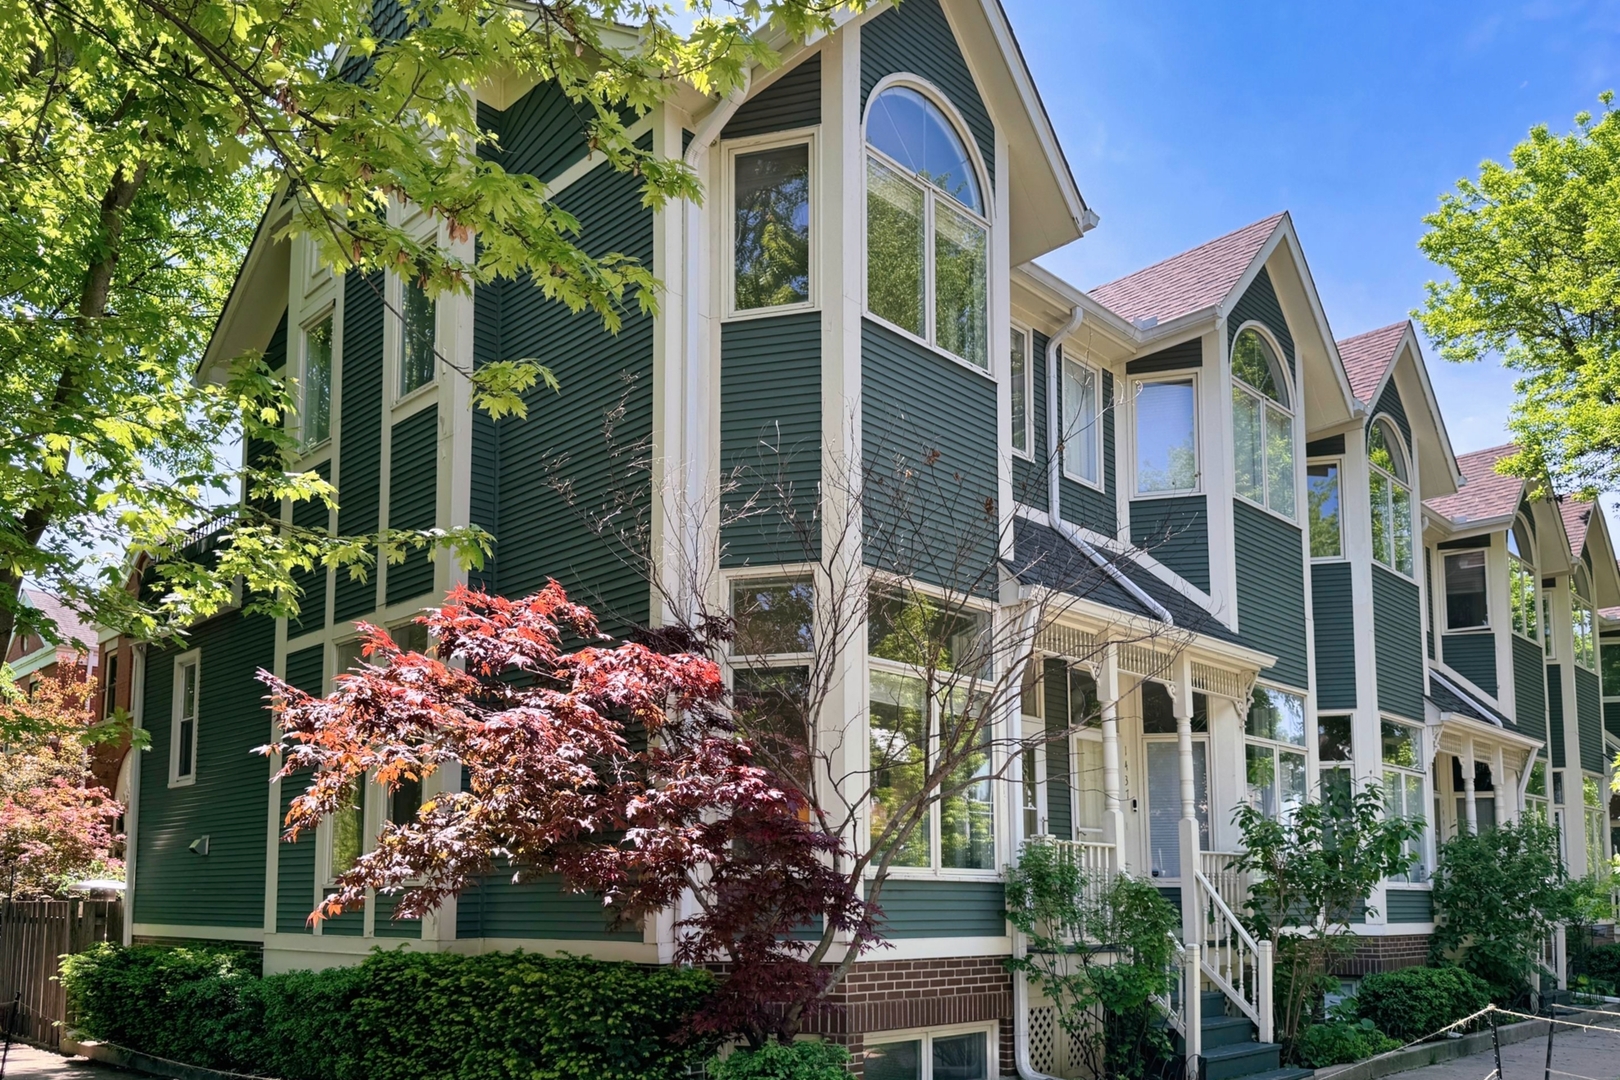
point(1108, 692)
point(1192, 931)
point(1499, 783)
point(1469, 806)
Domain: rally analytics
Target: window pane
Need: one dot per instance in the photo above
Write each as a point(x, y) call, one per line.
point(1465, 591)
point(894, 1061)
point(1609, 650)
point(316, 400)
point(1322, 509)
point(1088, 779)
point(1280, 462)
point(1400, 745)
point(1166, 457)
point(910, 628)
point(1083, 704)
point(1276, 715)
point(1030, 795)
point(1080, 430)
point(1400, 527)
point(773, 617)
point(1383, 451)
point(1261, 773)
point(188, 691)
point(961, 290)
point(960, 1057)
point(404, 802)
point(1522, 598)
point(1378, 498)
point(416, 363)
point(188, 728)
point(350, 655)
point(1020, 391)
point(1248, 449)
point(967, 819)
point(1255, 364)
point(1333, 738)
point(770, 706)
point(898, 759)
point(1291, 780)
point(1336, 786)
point(909, 128)
point(411, 637)
point(772, 196)
point(894, 248)
point(348, 823)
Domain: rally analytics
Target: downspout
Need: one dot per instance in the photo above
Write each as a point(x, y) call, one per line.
point(1054, 474)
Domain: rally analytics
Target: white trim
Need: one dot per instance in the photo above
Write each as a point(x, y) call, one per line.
point(324, 312)
point(925, 1036)
point(1280, 375)
point(730, 149)
point(1337, 461)
point(1028, 336)
point(132, 813)
point(192, 658)
point(1097, 422)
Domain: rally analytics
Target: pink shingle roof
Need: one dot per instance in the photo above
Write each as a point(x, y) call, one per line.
point(1485, 493)
point(1577, 518)
point(1367, 356)
point(1199, 278)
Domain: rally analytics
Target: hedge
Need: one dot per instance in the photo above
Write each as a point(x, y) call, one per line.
point(1339, 1042)
point(1415, 1002)
point(396, 1016)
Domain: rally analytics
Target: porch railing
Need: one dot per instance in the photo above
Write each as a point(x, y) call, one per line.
point(1098, 861)
point(1231, 884)
point(1233, 961)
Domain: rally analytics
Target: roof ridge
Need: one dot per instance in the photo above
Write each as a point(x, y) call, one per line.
point(1401, 325)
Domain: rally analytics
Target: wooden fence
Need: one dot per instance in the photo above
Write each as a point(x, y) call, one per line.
point(34, 934)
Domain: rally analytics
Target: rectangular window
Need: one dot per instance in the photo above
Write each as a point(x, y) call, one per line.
point(315, 387)
point(1585, 642)
point(771, 228)
point(964, 1056)
point(1275, 751)
point(1090, 798)
point(1599, 851)
point(1547, 645)
point(185, 714)
point(961, 285)
point(346, 832)
point(1022, 392)
point(418, 337)
point(1082, 434)
point(773, 617)
point(109, 684)
point(1403, 798)
point(1333, 739)
point(967, 816)
point(1522, 599)
point(899, 760)
point(1166, 436)
point(894, 248)
point(1030, 789)
point(1609, 655)
point(1322, 509)
point(1465, 591)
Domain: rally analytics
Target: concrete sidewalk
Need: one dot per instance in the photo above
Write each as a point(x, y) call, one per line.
point(27, 1063)
point(1576, 1053)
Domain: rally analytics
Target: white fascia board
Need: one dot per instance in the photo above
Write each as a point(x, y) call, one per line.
point(1090, 615)
point(1061, 294)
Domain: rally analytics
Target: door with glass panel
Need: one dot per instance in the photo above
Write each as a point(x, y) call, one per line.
point(1161, 752)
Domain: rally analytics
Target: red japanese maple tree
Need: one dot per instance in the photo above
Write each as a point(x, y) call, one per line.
point(614, 765)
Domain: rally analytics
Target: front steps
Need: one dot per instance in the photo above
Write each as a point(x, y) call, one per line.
point(1232, 1050)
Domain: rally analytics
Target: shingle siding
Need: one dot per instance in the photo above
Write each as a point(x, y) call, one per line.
point(311, 514)
point(498, 908)
point(1409, 906)
point(1335, 636)
point(1175, 531)
point(1389, 404)
point(1398, 642)
point(1555, 714)
point(1271, 591)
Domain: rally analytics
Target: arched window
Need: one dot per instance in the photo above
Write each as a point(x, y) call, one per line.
point(1522, 581)
point(1580, 607)
point(1390, 493)
point(1262, 426)
point(927, 236)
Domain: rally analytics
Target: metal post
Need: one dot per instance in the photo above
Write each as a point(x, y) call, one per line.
point(11, 1023)
point(1496, 1044)
point(1547, 1074)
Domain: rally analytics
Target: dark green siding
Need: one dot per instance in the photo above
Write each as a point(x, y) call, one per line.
point(1398, 643)
point(1259, 304)
point(1589, 716)
point(542, 134)
point(770, 438)
point(295, 862)
point(1084, 505)
point(1059, 819)
point(1175, 531)
point(1409, 905)
point(413, 497)
point(1335, 636)
point(360, 436)
point(915, 38)
point(1390, 404)
point(792, 101)
point(1271, 591)
point(311, 514)
point(498, 908)
point(1555, 714)
point(1473, 656)
point(227, 803)
point(1611, 716)
point(929, 443)
point(1529, 687)
point(919, 909)
point(1187, 354)
point(1029, 477)
point(590, 439)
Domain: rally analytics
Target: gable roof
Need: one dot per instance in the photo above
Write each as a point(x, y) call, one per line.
point(1486, 494)
point(1368, 356)
point(70, 630)
point(1577, 519)
point(1198, 278)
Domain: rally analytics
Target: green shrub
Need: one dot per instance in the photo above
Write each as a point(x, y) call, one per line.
point(1339, 1042)
point(1419, 1001)
point(396, 1016)
point(796, 1061)
point(1601, 964)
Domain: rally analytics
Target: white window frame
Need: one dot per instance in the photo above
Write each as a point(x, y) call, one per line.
point(926, 1037)
point(1279, 746)
point(805, 136)
point(369, 825)
point(930, 194)
point(396, 300)
point(1096, 433)
point(1028, 451)
point(1445, 610)
point(1239, 386)
point(324, 313)
point(1034, 732)
point(192, 658)
point(1517, 565)
point(1413, 511)
point(1337, 461)
point(1426, 798)
point(1133, 385)
point(1579, 605)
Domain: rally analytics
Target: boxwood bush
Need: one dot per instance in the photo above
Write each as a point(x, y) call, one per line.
point(396, 1016)
point(1419, 1001)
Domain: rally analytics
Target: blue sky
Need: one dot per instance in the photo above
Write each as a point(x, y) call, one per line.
point(1183, 121)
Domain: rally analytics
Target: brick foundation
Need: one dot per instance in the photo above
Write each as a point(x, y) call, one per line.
point(1376, 954)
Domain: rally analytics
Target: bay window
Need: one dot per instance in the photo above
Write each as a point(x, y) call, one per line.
point(1082, 433)
point(1262, 426)
point(1522, 583)
point(1274, 751)
point(927, 235)
point(770, 238)
point(1466, 608)
point(1391, 498)
point(1166, 415)
point(1322, 509)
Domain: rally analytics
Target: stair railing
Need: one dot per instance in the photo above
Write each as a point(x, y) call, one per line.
point(1182, 1007)
point(1233, 961)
